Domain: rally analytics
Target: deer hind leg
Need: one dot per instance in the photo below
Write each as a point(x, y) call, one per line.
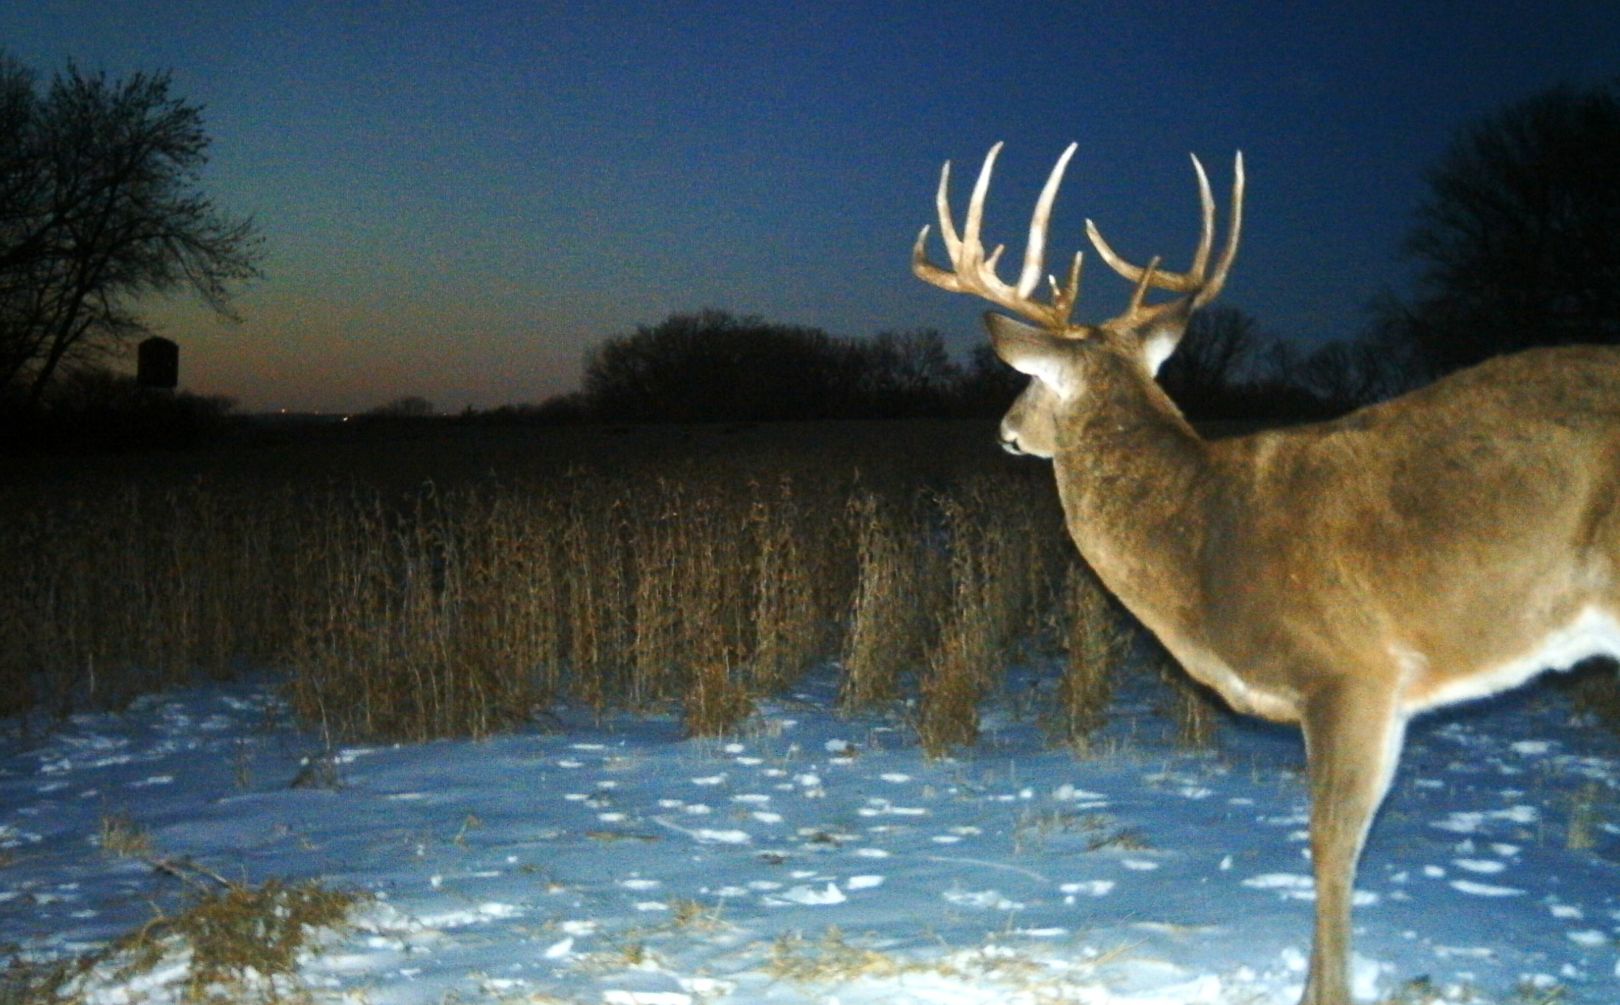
point(1353, 736)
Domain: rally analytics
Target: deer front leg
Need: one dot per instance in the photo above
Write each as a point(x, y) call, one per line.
point(1353, 735)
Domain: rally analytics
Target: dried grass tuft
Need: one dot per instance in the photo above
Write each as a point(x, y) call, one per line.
point(122, 837)
point(830, 958)
point(1195, 710)
point(241, 943)
point(1094, 644)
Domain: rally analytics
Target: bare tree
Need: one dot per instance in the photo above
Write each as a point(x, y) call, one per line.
point(1348, 373)
point(712, 366)
point(904, 373)
point(988, 385)
point(1211, 361)
point(1519, 238)
point(100, 205)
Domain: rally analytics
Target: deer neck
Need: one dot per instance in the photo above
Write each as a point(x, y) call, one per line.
point(1134, 479)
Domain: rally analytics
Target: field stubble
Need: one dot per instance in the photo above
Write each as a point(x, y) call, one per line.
point(456, 584)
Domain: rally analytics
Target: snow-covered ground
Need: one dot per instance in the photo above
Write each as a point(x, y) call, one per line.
point(815, 858)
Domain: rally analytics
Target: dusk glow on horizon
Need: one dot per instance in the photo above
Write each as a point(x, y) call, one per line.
point(458, 202)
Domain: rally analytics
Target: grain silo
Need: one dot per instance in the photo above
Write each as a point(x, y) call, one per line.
point(157, 363)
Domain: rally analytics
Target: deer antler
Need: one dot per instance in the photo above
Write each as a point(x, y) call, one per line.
point(1200, 289)
point(972, 271)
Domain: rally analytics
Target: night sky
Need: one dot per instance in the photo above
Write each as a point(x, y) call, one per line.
point(458, 199)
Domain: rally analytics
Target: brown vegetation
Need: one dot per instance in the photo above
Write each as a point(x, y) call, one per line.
point(697, 570)
point(1093, 644)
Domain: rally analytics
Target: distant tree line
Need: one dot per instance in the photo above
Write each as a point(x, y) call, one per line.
point(1228, 368)
point(713, 366)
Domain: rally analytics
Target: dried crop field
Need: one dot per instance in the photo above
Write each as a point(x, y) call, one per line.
point(439, 580)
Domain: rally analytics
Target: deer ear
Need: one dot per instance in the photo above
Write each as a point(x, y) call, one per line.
point(1159, 334)
point(1157, 345)
point(1025, 348)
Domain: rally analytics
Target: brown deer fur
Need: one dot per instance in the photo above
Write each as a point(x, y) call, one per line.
point(1345, 575)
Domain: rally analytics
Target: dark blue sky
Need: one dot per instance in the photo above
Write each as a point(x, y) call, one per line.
point(459, 199)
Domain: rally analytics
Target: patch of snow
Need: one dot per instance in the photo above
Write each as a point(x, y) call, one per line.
point(522, 867)
point(1474, 889)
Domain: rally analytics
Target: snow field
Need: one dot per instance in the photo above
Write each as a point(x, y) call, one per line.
point(820, 859)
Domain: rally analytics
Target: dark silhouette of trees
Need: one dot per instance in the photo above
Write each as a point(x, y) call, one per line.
point(988, 386)
point(1211, 362)
point(712, 366)
point(1327, 379)
point(100, 205)
point(903, 373)
point(410, 406)
point(90, 409)
point(1226, 368)
point(1519, 237)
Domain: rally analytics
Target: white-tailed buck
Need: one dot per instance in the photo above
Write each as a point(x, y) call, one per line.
point(1345, 576)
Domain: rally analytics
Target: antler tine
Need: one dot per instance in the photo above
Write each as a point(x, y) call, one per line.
point(1212, 287)
point(1035, 252)
point(942, 207)
point(1192, 281)
point(927, 271)
point(921, 267)
point(1206, 234)
point(1142, 285)
point(975, 212)
point(1176, 282)
point(972, 271)
point(1069, 293)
